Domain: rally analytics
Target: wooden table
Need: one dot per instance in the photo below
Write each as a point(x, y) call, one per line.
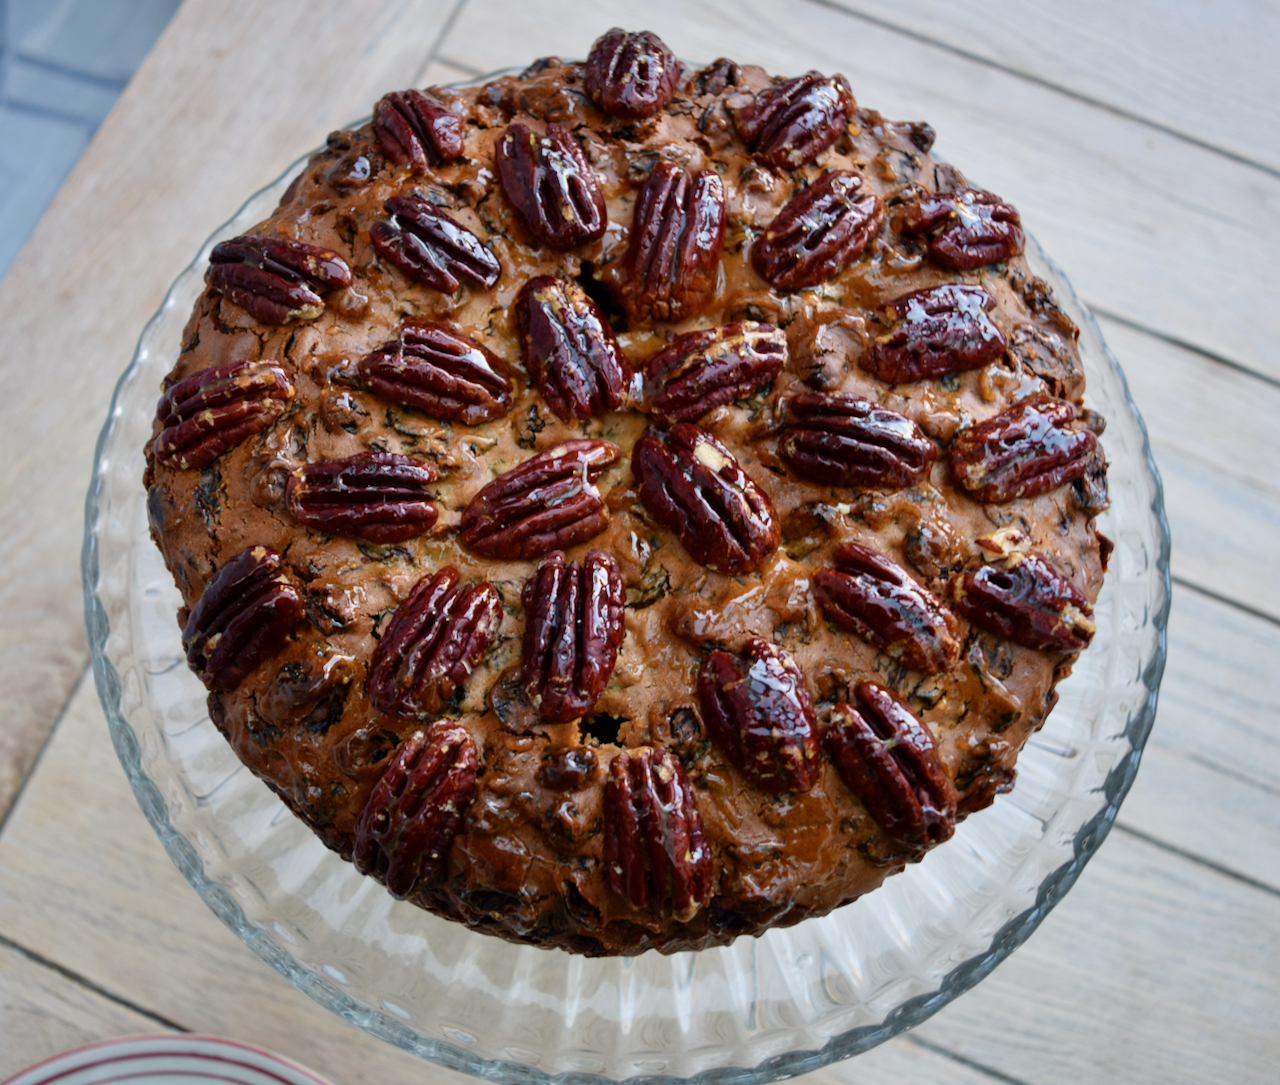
point(1141, 142)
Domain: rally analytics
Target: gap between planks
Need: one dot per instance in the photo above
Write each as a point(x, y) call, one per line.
point(83, 981)
point(1047, 84)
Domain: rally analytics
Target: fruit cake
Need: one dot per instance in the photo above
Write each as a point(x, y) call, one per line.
point(625, 506)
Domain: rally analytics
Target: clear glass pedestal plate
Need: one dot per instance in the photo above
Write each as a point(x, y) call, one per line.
point(761, 1009)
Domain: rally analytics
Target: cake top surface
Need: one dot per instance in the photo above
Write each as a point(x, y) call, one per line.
point(725, 291)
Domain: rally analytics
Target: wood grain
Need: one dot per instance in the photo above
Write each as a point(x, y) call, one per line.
point(43, 1012)
point(1213, 434)
point(1120, 56)
point(1108, 976)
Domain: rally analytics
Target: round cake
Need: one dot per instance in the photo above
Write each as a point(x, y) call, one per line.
point(623, 506)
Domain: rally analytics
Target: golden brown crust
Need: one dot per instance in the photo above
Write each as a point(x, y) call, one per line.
point(527, 862)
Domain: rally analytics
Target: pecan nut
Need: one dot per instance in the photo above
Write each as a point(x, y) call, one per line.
point(631, 75)
point(441, 372)
point(843, 439)
point(569, 349)
point(215, 409)
point(432, 644)
point(245, 614)
point(757, 710)
point(1027, 450)
point(1024, 598)
point(276, 280)
point(795, 120)
point(693, 487)
point(818, 233)
point(548, 502)
point(380, 496)
point(430, 247)
point(655, 849)
point(416, 131)
point(416, 808)
point(702, 370)
point(553, 190)
point(941, 330)
point(573, 630)
point(889, 760)
point(673, 253)
point(966, 228)
point(876, 598)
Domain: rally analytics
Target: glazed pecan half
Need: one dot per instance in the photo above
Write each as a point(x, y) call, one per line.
point(1027, 450)
point(631, 75)
point(551, 187)
point(889, 760)
point(877, 599)
point(818, 233)
point(572, 632)
point(416, 131)
point(570, 350)
point(276, 280)
point(843, 439)
point(214, 409)
point(673, 253)
point(795, 120)
point(1026, 599)
point(693, 487)
point(430, 247)
point(245, 614)
point(655, 850)
point(944, 329)
point(966, 228)
point(416, 808)
point(756, 708)
point(702, 370)
point(432, 644)
point(380, 496)
point(549, 501)
point(441, 372)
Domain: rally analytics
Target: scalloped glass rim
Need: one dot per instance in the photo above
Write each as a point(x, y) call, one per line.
point(848, 981)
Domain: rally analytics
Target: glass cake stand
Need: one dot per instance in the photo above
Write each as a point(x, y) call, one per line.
point(758, 1010)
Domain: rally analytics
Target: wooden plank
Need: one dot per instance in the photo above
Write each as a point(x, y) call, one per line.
point(1169, 234)
point(42, 1013)
point(87, 885)
point(1213, 435)
point(1204, 70)
point(1210, 777)
point(181, 150)
point(1152, 970)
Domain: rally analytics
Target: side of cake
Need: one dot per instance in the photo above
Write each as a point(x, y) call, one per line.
point(621, 506)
